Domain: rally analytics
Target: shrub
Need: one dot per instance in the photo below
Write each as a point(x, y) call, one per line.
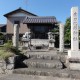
point(8, 50)
point(5, 54)
point(8, 45)
point(1, 36)
point(15, 51)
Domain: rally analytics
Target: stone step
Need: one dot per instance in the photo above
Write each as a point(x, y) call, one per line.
point(50, 55)
point(38, 50)
point(43, 55)
point(40, 63)
point(64, 73)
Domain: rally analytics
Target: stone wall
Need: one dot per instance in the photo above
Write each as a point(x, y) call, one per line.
point(7, 66)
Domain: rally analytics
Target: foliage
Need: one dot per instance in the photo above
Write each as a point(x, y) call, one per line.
point(5, 54)
point(67, 31)
point(8, 45)
point(55, 30)
point(15, 51)
point(2, 37)
point(8, 50)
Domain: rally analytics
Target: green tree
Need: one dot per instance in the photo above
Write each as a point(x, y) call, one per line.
point(67, 30)
point(55, 30)
point(2, 36)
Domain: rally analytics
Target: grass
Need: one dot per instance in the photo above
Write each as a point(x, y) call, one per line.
point(5, 54)
point(7, 50)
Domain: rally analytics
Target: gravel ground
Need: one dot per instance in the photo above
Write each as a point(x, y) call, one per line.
point(3, 75)
point(27, 77)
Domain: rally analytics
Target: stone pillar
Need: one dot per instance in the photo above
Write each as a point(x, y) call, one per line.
point(16, 35)
point(74, 53)
point(61, 37)
point(74, 29)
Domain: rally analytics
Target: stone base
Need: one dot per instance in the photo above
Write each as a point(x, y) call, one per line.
point(51, 45)
point(74, 54)
point(73, 59)
point(26, 45)
point(74, 66)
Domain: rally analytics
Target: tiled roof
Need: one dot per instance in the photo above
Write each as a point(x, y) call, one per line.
point(38, 19)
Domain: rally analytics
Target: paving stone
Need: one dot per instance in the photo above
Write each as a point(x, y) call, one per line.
point(30, 77)
point(65, 73)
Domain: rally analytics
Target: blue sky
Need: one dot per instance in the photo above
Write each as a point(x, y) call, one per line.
point(58, 8)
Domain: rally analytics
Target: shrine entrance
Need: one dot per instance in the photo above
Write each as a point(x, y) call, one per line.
point(40, 32)
point(39, 35)
point(39, 28)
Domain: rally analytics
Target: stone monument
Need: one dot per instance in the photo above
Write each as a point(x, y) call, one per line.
point(74, 53)
point(16, 35)
point(61, 37)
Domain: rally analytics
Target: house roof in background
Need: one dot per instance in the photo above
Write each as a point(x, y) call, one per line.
point(2, 25)
point(19, 10)
point(40, 19)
